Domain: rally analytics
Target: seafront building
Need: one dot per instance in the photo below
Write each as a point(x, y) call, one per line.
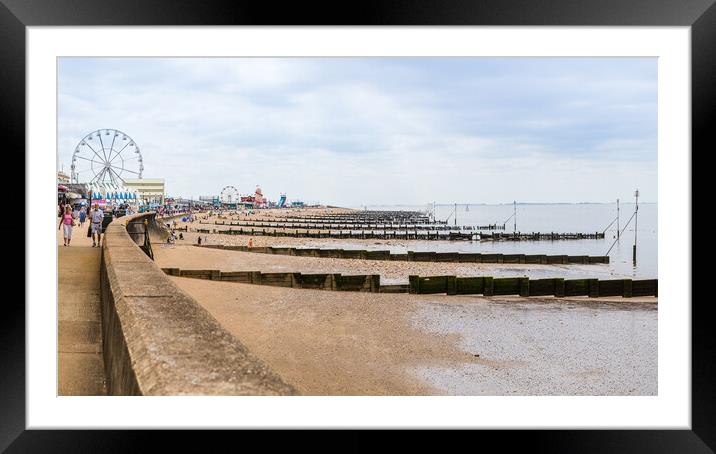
point(99, 193)
point(150, 190)
point(62, 177)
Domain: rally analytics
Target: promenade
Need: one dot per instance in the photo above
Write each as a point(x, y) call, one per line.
point(79, 346)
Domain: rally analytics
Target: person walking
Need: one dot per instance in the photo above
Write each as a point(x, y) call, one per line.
point(96, 218)
point(83, 216)
point(66, 222)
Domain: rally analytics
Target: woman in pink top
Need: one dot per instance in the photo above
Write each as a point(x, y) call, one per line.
point(66, 221)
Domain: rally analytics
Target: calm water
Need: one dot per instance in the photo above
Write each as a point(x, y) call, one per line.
point(572, 218)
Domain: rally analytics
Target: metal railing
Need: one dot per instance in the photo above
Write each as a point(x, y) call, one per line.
point(139, 232)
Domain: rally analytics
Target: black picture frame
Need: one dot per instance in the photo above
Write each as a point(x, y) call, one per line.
point(700, 15)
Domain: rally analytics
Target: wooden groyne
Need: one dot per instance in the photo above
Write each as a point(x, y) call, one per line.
point(540, 236)
point(403, 217)
point(395, 234)
point(390, 216)
point(350, 226)
point(449, 285)
point(319, 281)
point(314, 221)
point(523, 286)
point(410, 256)
point(346, 234)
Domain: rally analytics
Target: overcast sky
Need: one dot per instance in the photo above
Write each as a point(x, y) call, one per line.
point(354, 131)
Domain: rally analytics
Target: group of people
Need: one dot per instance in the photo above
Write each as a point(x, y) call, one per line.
point(171, 239)
point(70, 218)
point(122, 209)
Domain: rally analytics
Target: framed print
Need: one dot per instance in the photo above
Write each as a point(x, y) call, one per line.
point(446, 216)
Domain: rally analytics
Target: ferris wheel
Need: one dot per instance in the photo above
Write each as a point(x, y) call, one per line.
point(229, 195)
point(106, 155)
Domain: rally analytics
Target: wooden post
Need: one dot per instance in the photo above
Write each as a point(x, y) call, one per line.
point(451, 285)
point(489, 286)
point(375, 283)
point(559, 287)
point(414, 284)
point(330, 283)
point(296, 280)
point(627, 292)
point(636, 223)
point(256, 277)
point(525, 286)
point(593, 288)
point(617, 219)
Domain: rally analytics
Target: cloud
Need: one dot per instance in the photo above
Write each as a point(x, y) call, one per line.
point(365, 131)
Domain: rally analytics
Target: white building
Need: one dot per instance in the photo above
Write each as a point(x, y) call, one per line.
point(150, 190)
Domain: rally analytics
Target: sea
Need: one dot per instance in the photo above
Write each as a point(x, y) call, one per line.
point(640, 229)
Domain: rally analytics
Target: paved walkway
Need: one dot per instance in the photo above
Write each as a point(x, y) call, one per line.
point(79, 347)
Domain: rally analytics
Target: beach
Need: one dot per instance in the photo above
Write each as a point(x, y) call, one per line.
point(352, 343)
point(185, 255)
point(534, 218)
point(349, 343)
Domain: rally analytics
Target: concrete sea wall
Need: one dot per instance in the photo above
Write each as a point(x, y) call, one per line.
point(157, 340)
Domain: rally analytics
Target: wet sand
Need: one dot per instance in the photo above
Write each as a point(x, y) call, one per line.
point(331, 343)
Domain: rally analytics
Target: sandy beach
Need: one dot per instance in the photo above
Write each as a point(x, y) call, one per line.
point(326, 343)
point(349, 343)
point(391, 272)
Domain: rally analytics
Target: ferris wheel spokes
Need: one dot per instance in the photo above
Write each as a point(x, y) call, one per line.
point(117, 153)
point(103, 162)
point(229, 195)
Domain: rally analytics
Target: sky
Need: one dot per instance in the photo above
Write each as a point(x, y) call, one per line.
point(368, 131)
